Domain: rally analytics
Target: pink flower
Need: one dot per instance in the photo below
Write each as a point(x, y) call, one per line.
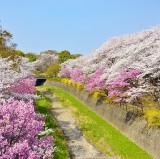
point(19, 129)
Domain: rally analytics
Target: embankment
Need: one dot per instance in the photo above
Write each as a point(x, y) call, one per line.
point(126, 121)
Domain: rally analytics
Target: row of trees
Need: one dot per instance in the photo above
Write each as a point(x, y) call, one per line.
point(49, 62)
point(53, 70)
point(126, 89)
point(120, 90)
point(138, 51)
point(20, 125)
point(123, 70)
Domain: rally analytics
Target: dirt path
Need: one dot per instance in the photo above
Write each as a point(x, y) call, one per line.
point(79, 147)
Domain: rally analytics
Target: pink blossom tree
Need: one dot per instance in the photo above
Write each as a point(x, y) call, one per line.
point(20, 126)
point(119, 87)
point(24, 86)
point(24, 89)
point(94, 81)
point(9, 74)
point(139, 51)
point(19, 129)
point(77, 75)
point(65, 72)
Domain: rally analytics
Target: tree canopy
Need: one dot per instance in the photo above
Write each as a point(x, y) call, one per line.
point(64, 56)
point(53, 70)
point(32, 57)
point(5, 40)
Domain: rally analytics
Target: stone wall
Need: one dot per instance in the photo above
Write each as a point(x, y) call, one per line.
point(128, 122)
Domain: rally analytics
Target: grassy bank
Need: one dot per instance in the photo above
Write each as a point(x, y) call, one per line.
point(108, 139)
point(43, 106)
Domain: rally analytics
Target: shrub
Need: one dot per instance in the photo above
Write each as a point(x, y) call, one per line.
point(109, 100)
point(98, 95)
point(153, 117)
point(78, 86)
point(66, 81)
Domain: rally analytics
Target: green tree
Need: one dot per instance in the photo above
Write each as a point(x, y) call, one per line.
point(20, 53)
point(11, 54)
point(64, 56)
point(7, 48)
point(75, 56)
point(5, 40)
point(32, 57)
point(53, 70)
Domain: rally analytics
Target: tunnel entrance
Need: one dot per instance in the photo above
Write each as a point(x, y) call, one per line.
point(40, 81)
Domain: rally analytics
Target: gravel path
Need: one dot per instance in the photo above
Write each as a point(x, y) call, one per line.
point(79, 147)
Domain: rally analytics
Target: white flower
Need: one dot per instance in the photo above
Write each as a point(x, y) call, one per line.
point(140, 51)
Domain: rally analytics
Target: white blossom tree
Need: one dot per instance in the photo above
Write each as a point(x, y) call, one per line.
point(10, 72)
point(44, 61)
point(139, 51)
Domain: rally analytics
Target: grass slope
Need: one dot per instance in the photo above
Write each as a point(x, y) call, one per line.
point(107, 138)
point(43, 104)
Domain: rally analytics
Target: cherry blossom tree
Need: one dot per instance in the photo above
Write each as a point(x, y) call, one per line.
point(44, 61)
point(20, 126)
point(19, 129)
point(139, 51)
point(77, 75)
point(24, 89)
point(119, 87)
point(65, 72)
point(94, 81)
point(24, 86)
point(135, 52)
point(11, 72)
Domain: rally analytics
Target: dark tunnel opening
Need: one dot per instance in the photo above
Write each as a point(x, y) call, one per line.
point(40, 81)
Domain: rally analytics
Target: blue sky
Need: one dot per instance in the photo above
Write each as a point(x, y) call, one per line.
point(79, 26)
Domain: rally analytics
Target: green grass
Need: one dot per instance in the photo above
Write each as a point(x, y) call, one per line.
point(107, 138)
point(43, 106)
